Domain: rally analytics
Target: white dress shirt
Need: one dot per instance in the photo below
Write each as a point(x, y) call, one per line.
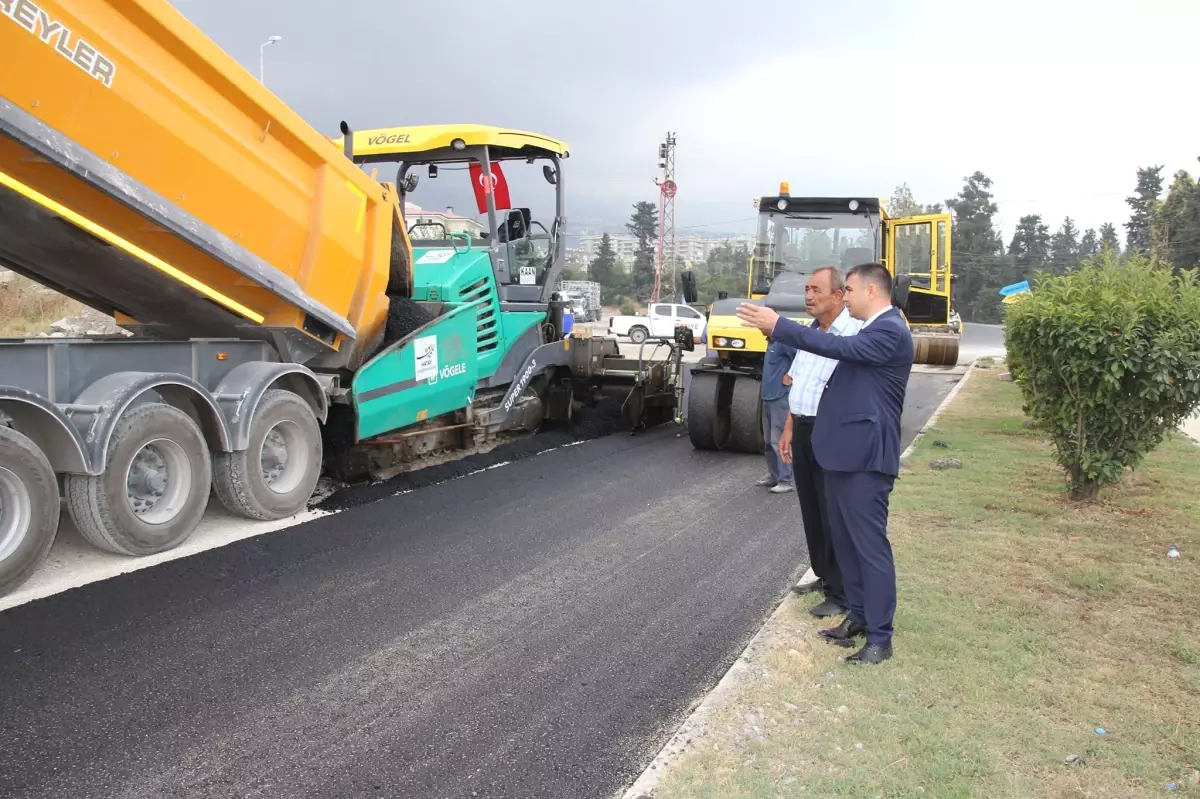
point(810, 372)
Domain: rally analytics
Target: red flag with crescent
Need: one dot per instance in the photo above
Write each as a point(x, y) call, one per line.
point(483, 186)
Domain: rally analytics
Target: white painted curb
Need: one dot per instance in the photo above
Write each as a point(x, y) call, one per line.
point(692, 726)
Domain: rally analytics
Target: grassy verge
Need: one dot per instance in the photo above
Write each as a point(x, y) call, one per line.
point(1024, 624)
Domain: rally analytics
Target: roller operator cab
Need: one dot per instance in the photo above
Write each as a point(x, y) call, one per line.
point(796, 236)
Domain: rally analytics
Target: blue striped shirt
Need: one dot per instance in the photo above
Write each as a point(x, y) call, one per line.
point(811, 372)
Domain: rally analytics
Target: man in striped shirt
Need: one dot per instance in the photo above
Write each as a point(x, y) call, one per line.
point(824, 301)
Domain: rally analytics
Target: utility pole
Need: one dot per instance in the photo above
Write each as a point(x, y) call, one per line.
point(666, 217)
point(262, 57)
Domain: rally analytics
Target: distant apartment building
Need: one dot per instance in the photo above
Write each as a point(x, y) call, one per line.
point(426, 224)
point(690, 248)
point(624, 246)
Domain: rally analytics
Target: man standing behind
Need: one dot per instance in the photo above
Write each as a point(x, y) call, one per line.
point(856, 439)
point(825, 303)
point(775, 413)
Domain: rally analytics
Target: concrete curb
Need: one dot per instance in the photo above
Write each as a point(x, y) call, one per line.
point(692, 727)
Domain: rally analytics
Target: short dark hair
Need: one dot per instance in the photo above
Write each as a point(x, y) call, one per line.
point(874, 273)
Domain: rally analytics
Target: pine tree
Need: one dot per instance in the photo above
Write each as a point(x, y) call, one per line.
point(979, 269)
point(604, 265)
point(1143, 202)
point(1030, 247)
point(1109, 240)
point(1089, 244)
point(643, 224)
point(1175, 228)
point(1064, 247)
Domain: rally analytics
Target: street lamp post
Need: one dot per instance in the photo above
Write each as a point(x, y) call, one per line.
point(262, 51)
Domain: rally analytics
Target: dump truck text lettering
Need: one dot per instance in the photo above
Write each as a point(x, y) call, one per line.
point(57, 35)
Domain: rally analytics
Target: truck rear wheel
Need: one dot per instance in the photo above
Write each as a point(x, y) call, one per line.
point(708, 416)
point(638, 334)
point(745, 413)
point(276, 474)
point(155, 488)
point(29, 508)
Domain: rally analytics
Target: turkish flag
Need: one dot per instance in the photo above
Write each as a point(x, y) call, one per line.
point(483, 187)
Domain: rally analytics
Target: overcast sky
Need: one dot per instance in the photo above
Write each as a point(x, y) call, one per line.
point(1057, 101)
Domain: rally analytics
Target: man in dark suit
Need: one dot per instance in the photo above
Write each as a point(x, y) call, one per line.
point(856, 440)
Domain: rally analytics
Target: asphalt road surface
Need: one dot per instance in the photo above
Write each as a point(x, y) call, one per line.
point(979, 341)
point(534, 630)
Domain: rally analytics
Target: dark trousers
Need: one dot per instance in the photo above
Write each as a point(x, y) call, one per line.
point(858, 511)
point(810, 488)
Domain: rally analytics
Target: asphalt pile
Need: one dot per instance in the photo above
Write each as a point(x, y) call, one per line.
point(404, 316)
point(589, 423)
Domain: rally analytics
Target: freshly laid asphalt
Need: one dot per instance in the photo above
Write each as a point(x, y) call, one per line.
point(535, 630)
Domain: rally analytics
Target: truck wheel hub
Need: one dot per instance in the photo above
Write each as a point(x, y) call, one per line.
point(16, 512)
point(156, 484)
point(284, 459)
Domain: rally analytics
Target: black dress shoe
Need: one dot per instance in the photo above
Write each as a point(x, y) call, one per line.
point(845, 633)
point(870, 655)
point(830, 607)
point(807, 588)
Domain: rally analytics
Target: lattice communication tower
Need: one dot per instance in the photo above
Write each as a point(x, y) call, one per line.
point(667, 251)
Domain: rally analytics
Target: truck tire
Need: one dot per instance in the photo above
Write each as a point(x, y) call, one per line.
point(638, 334)
point(276, 474)
point(29, 508)
point(155, 488)
point(745, 414)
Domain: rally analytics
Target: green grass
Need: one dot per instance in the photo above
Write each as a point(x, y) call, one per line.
point(1024, 623)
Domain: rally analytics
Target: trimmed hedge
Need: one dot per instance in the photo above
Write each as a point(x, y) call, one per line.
point(1108, 360)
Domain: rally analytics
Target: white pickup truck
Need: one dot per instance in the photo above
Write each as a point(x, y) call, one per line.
point(659, 323)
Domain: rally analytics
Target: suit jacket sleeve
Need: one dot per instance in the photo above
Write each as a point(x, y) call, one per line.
point(873, 346)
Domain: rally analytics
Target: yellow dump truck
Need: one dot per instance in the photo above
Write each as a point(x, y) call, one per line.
point(253, 265)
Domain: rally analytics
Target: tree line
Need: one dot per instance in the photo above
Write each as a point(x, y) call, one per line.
point(1164, 228)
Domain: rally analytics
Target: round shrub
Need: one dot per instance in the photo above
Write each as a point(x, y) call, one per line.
point(1108, 360)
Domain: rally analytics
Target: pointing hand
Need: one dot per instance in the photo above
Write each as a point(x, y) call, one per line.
point(758, 316)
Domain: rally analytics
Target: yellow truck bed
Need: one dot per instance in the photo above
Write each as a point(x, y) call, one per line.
point(146, 173)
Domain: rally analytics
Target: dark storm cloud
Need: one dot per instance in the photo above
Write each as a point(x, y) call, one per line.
point(593, 74)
